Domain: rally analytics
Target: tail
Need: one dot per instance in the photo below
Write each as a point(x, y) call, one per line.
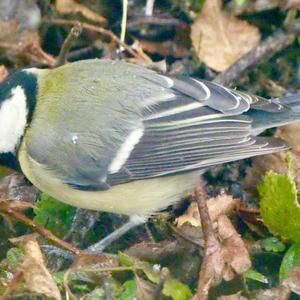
point(263, 120)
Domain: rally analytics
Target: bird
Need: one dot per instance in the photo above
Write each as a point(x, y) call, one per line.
point(118, 137)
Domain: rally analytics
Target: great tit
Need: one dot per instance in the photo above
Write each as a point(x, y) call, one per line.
point(117, 137)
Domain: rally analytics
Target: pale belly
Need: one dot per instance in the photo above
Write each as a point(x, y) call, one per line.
point(135, 198)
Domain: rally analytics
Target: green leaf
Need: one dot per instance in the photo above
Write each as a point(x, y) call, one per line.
point(59, 278)
point(150, 271)
point(152, 274)
point(172, 288)
point(15, 257)
point(273, 244)
point(254, 275)
point(279, 207)
point(177, 290)
point(125, 259)
point(240, 2)
point(129, 290)
point(55, 215)
point(4, 171)
point(97, 294)
point(290, 259)
point(81, 288)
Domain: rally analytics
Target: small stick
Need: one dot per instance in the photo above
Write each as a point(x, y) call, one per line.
point(124, 21)
point(206, 223)
point(100, 30)
point(7, 210)
point(149, 8)
point(210, 243)
point(68, 43)
point(264, 50)
point(154, 20)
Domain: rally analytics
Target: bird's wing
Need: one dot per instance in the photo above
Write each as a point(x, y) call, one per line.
point(202, 125)
point(119, 122)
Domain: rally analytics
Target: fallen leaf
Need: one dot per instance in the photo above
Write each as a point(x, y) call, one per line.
point(21, 194)
point(277, 161)
point(3, 73)
point(26, 12)
point(88, 268)
point(153, 251)
point(293, 4)
point(220, 39)
point(165, 48)
point(235, 252)
point(37, 277)
point(13, 285)
point(292, 282)
point(93, 261)
point(280, 293)
point(24, 238)
point(22, 45)
point(72, 7)
point(145, 289)
point(225, 256)
point(217, 206)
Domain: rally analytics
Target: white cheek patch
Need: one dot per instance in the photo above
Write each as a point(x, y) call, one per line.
point(13, 119)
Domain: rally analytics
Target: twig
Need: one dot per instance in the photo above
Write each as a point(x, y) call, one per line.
point(149, 7)
point(124, 21)
point(107, 288)
point(7, 210)
point(100, 30)
point(210, 242)
point(78, 54)
point(68, 43)
point(266, 49)
point(206, 223)
point(154, 20)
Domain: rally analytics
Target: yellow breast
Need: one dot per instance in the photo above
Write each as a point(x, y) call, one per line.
point(138, 197)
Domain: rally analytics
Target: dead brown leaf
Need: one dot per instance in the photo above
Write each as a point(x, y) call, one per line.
point(13, 285)
point(89, 267)
point(226, 255)
point(293, 282)
point(24, 238)
point(293, 4)
point(234, 250)
point(21, 45)
point(72, 7)
point(165, 48)
point(37, 277)
point(280, 293)
point(3, 73)
point(145, 289)
point(220, 39)
point(277, 161)
point(222, 204)
point(21, 194)
point(90, 261)
point(153, 251)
